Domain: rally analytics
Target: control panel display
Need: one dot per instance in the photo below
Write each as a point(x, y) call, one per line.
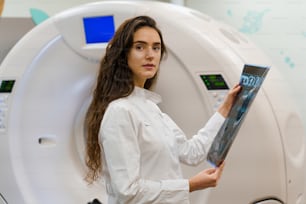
point(214, 81)
point(98, 29)
point(6, 86)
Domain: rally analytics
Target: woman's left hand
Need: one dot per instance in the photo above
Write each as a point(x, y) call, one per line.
point(226, 106)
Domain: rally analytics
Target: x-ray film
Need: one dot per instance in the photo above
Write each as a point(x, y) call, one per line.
point(251, 80)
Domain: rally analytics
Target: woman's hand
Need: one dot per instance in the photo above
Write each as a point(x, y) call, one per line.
point(205, 179)
point(226, 106)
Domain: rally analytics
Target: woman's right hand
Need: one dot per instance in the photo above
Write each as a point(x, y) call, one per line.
point(206, 178)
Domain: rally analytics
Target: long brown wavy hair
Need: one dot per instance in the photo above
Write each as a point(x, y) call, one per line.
point(115, 80)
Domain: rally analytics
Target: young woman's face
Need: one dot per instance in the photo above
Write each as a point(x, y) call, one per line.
point(144, 56)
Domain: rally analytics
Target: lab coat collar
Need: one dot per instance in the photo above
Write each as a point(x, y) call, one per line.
point(147, 94)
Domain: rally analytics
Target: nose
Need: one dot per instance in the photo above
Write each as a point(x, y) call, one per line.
point(150, 53)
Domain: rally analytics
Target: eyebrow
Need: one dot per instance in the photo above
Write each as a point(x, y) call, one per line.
point(143, 42)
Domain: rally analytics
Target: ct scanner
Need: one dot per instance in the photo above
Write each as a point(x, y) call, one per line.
point(46, 83)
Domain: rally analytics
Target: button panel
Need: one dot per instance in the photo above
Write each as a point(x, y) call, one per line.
point(217, 98)
point(3, 111)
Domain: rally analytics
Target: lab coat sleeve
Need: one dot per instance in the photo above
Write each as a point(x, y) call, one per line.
point(118, 136)
point(194, 150)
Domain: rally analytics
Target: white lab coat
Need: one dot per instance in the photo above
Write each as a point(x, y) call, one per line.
point(142, 150)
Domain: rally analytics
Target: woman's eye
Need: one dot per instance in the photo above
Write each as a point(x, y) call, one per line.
point(157, 48)
point(139, 47)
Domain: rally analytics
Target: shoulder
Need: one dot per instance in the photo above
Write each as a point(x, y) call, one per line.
point(119, 113)
point(118, 106)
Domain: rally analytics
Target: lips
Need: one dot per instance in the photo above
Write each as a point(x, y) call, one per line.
point(149, 66)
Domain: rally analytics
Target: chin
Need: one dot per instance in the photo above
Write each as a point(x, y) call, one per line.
point(150, 75)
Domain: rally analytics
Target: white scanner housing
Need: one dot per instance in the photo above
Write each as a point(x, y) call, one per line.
point(46, 85)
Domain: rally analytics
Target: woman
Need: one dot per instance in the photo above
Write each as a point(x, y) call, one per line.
point(136, 147)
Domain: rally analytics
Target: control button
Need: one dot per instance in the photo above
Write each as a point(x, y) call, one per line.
point(2, 125)
point(2, 119)
point(216, 106)
point(215, 94)
point(219, 100)
point(2, 112)
point(3, 100)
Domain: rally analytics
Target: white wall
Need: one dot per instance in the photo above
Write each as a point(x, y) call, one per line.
point(278, 27)
point(20, 8)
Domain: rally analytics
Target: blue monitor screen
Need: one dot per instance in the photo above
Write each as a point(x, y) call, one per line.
point(99, 29)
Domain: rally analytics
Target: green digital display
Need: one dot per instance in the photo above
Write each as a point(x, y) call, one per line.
point(6, 86)
point(214, 81)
